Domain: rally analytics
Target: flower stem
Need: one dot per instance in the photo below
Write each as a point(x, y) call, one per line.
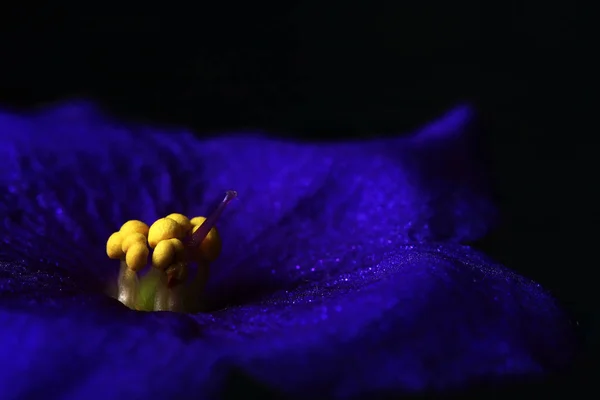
point(147, 290)
point(161, 298)
point(170, 289)
point(128, 285)
point(196, 288)
point(175, 302)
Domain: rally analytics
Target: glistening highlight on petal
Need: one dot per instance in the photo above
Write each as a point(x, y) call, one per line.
point(341, 271)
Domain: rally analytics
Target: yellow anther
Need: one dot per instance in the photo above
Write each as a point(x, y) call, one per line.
point(113, 246)
point(179, 249)
point(163, 229)
point(137, 256)
point(167, 252)
point(134, 226)
point(196, 221)
point(131, 239)
point(210, 248)
point(181, 220)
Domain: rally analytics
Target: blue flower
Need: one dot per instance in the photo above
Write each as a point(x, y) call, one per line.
point(343, 270)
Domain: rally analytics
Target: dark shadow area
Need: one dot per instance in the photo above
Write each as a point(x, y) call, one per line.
point(242, 386)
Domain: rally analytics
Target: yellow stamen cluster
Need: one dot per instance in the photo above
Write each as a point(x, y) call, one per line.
point(129, 244)
point(210, 248)
point(164, 229)
point(181, 220)
point(166, 238)
point(168, 252)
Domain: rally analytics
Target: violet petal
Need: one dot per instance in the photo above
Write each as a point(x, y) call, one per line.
point(342, 272)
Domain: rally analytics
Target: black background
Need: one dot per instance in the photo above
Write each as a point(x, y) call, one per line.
point(310, 70)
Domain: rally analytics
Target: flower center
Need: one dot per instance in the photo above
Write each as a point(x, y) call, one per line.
point(173, 246)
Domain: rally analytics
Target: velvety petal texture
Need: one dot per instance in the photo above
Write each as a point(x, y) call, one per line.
point(342, 272)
